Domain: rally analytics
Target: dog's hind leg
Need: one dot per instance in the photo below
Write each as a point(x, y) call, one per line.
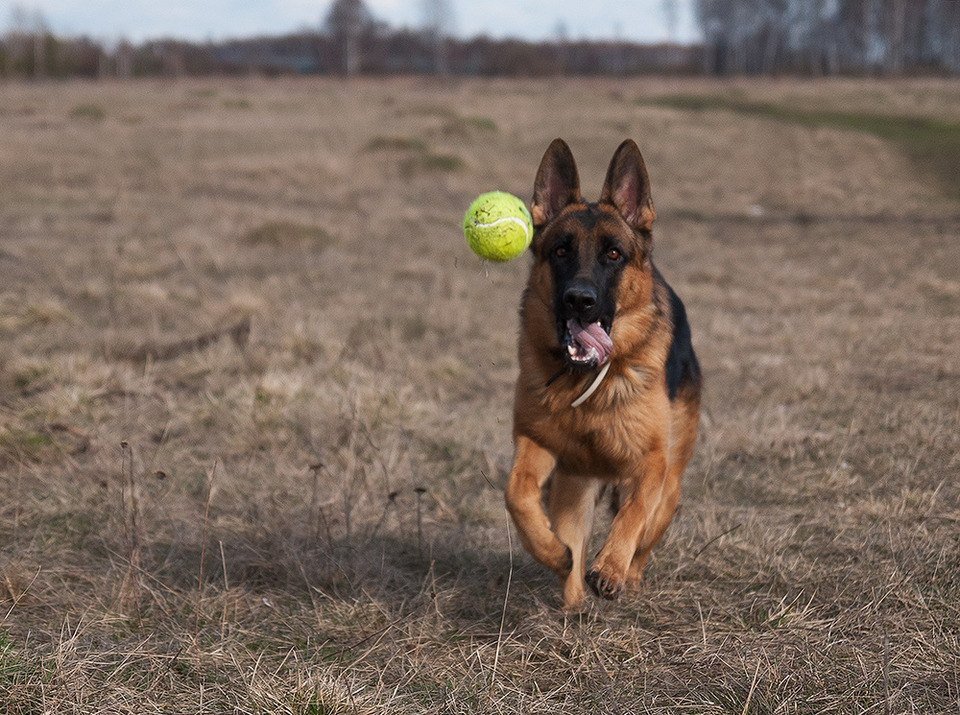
point(570, 505)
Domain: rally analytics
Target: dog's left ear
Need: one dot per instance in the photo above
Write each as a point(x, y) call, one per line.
point(628, 187)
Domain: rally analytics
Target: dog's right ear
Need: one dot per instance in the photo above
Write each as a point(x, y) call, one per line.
point(557, 184)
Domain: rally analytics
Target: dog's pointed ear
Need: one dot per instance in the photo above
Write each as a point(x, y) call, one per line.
point(557, 184)
point(628, 187)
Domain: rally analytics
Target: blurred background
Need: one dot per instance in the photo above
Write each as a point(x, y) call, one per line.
point(61, 38)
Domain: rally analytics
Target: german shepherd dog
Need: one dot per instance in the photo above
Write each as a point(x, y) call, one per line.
point(609, 387)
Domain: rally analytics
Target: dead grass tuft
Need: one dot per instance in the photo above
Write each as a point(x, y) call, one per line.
point(93, 112)
point(382, 143)
point(278, 234)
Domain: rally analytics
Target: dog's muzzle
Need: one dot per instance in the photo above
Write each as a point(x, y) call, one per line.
point(587, 345)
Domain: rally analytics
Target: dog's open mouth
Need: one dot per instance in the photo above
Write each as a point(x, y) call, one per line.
point(587, 345)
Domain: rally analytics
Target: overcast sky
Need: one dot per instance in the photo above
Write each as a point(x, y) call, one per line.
point(638, 20)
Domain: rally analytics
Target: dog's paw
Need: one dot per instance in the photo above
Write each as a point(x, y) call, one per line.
point(604, 585)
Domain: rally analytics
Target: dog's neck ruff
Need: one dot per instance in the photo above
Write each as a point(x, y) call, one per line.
point(593, 386)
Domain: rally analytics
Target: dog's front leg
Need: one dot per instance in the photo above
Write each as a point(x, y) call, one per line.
point(532, 467)
point(641, 496)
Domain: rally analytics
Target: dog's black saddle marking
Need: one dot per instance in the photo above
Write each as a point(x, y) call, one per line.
point(682, 366)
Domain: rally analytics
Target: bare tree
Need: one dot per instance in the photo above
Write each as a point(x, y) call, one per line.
point(437, 28)
point(346, 23)
point(942, 33)
point(28, 43)
point(18, 41)
point(829, 36)
point(40, 33)
point(671, 18)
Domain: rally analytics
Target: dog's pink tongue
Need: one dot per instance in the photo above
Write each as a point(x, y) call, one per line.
point(591, 336)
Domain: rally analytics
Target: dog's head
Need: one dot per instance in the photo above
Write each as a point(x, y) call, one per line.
point(583, 250)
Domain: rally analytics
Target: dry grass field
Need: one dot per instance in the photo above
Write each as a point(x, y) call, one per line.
point(255, 401)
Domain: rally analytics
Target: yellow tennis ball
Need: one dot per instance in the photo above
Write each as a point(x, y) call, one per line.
point(497, 226)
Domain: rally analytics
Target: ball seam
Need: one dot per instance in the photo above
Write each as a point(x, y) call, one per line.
point(523, 224)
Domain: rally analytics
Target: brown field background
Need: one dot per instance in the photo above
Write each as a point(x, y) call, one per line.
point(306, 516)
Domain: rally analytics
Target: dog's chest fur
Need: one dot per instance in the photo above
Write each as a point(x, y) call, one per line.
point(609, 431)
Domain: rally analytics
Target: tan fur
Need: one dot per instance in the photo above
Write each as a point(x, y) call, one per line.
point(627, 434)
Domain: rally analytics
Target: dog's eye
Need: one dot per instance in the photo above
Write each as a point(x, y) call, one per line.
point(561, 251)
point(614, 254)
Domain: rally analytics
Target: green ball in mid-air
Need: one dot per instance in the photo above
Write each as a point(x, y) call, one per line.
point(497, 226)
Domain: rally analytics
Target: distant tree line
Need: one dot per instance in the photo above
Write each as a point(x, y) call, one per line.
point(349, 41)
point(740, 37)
point(830, 36)
point(371, 51)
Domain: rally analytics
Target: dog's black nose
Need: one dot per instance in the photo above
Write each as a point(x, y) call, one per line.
point(580, 298)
